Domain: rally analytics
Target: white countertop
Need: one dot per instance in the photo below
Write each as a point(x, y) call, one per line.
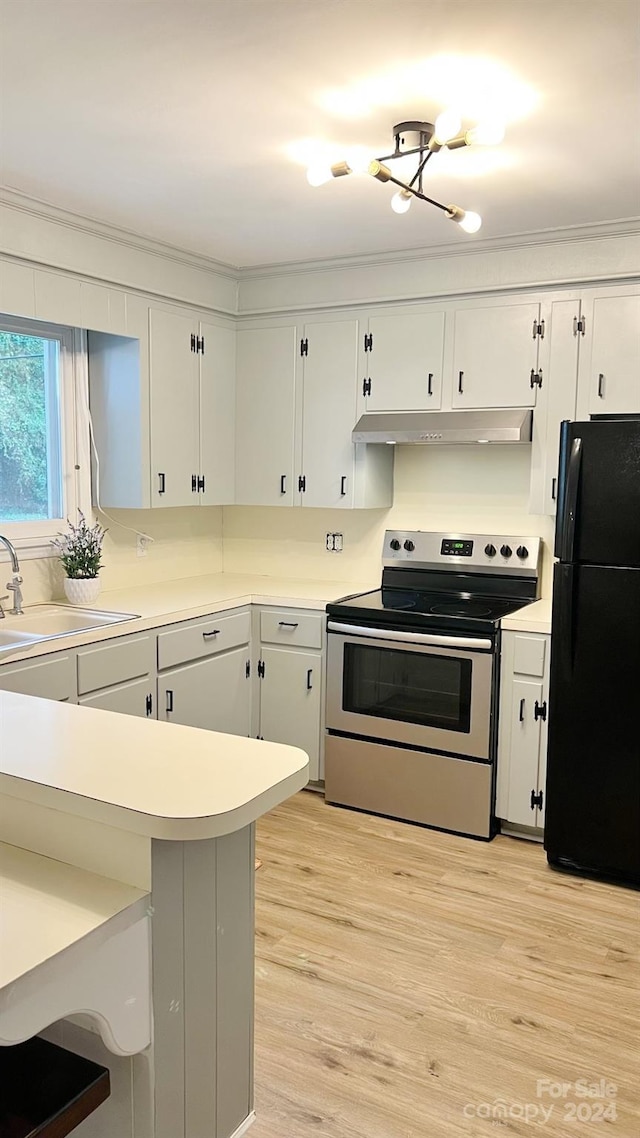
point(172, 601)
point(160, 780)
point(532, 618)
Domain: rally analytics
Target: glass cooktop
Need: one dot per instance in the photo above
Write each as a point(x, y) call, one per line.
point(423, 608)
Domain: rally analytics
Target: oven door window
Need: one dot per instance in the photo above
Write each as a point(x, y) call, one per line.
point(413, 687)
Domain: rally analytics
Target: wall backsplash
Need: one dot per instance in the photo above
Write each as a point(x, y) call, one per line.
point(186, 543)
point(473, 489)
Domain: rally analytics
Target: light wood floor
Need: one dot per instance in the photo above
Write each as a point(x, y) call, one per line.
point(403, 975)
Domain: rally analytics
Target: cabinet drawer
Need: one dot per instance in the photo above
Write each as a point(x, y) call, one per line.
point(529, 653)
point(289, 627)
point(50, 679)
point(102, 665)
point(215, 634)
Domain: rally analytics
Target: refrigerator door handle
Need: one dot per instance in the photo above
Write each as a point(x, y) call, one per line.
point(563, 613)
point(570, 504)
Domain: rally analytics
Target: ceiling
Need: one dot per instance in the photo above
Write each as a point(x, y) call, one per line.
point(188, 122)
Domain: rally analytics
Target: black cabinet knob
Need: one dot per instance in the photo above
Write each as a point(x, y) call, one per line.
point(394, 543)
point(522, 552)
point(490, 550)
point(409, 546)
point(506, 550)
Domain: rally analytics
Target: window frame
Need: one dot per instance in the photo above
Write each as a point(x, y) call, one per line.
point(32, 539)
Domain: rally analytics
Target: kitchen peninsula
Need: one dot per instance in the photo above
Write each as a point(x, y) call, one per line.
point(127, 893)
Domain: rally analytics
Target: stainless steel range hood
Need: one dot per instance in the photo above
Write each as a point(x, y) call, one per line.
point(432, 427)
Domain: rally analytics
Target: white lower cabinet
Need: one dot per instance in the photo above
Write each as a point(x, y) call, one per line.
point(213, 693)
point(133, 698)
point(291, 678)
point(522, 740)
point(49, 677)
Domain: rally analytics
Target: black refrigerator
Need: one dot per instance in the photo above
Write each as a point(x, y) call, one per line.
point(592, 822)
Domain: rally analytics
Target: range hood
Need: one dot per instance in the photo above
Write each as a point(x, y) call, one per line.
point(433, 427)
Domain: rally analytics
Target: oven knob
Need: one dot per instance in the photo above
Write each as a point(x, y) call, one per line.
point(506, 550)
point(409, 546)
point(522, 552)
point(394, 543)
point(490, 550)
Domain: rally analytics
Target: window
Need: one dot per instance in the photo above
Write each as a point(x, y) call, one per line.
point(42, 482)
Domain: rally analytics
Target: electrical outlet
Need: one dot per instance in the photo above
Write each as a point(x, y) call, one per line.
point(329, 543)
point(338, 542)
point(142, 544)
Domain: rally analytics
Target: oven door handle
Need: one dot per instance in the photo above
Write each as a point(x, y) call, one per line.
point(411, 637)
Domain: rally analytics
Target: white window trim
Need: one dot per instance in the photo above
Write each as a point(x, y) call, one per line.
point(33, 539)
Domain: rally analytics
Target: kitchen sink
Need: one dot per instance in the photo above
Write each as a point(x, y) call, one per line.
point(46, 622)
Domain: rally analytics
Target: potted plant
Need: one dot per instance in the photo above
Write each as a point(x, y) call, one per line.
point(80, 551)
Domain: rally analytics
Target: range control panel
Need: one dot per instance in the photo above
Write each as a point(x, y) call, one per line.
point(486, 553)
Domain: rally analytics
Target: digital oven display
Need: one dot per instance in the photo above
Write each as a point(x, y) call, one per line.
point(451, 548)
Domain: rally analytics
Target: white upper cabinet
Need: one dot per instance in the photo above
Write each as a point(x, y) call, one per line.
point(217, 414)
point(558, 363)
point(403, 360)
point(335, 473)
point(265, 415)
point(495, 355)
point(103, 309)
point(175, 412)
point(610, 354)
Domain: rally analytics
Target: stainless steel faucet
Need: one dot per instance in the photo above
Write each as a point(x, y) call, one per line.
point(14, 584)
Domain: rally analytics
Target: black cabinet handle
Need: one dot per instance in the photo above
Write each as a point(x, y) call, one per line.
point(430, 383)
point(309, 678)
point(601, 386)
point(288, 623)
point(343, 485)
point(208, 635)
point(161, 483)
point(283, 483)
point(460, 379)
point(169, 703)
point(521, 715)
point(554, 483)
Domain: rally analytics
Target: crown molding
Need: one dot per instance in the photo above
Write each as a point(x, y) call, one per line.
point(37, 207)
point(617, 228)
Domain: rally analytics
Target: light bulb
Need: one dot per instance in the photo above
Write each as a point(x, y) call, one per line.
point(318, 175)
point(447, 126)
point(401, 201)
point(359, 160)
point(487, 133)
point(466, 219)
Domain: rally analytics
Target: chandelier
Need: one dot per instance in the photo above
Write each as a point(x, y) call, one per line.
point(423, 140)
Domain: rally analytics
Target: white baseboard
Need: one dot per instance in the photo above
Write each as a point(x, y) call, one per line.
point(244, 1126)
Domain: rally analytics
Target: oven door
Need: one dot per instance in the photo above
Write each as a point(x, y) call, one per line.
point(418, 688)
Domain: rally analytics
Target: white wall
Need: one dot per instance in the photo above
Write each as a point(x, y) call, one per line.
point(473, 489)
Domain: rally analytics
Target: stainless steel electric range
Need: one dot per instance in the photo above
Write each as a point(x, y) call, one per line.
point(412, 678)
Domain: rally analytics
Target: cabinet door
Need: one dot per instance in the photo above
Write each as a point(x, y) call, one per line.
point(405, 361)
point(265, 416)
point(174, 382)
point(612, 365)
point(135, 698)
point(217, 415)
point(494, 354)
point(212, 694)
point(557, 401)
point(52, 677)
point(290, 701)
point(329, 412)
point(525, 750)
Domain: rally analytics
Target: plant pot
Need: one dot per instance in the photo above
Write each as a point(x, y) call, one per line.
point(82, 590)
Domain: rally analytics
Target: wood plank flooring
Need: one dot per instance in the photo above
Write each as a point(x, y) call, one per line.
point(407, 980)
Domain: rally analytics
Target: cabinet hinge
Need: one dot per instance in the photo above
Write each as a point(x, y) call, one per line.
point(149, 705)
point(537, 799)
point(304, 347)
point(366, 387)
point(579, 325)
point(247, 669)
point(536, 378)
point(302, 483)
point(201, 484)
point(538, 329)
point(368, 341)
point(540, 710)
point(194, 484)
point(199, 345)
point(261, 669)
point(193, 342)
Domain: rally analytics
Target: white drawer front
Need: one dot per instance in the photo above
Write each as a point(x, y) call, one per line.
point(286, 626)
point(529, 654)
point(49, 679)
point(102, 665)
point(215, 634)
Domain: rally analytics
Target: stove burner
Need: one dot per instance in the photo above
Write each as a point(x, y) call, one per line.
point(460, 609)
